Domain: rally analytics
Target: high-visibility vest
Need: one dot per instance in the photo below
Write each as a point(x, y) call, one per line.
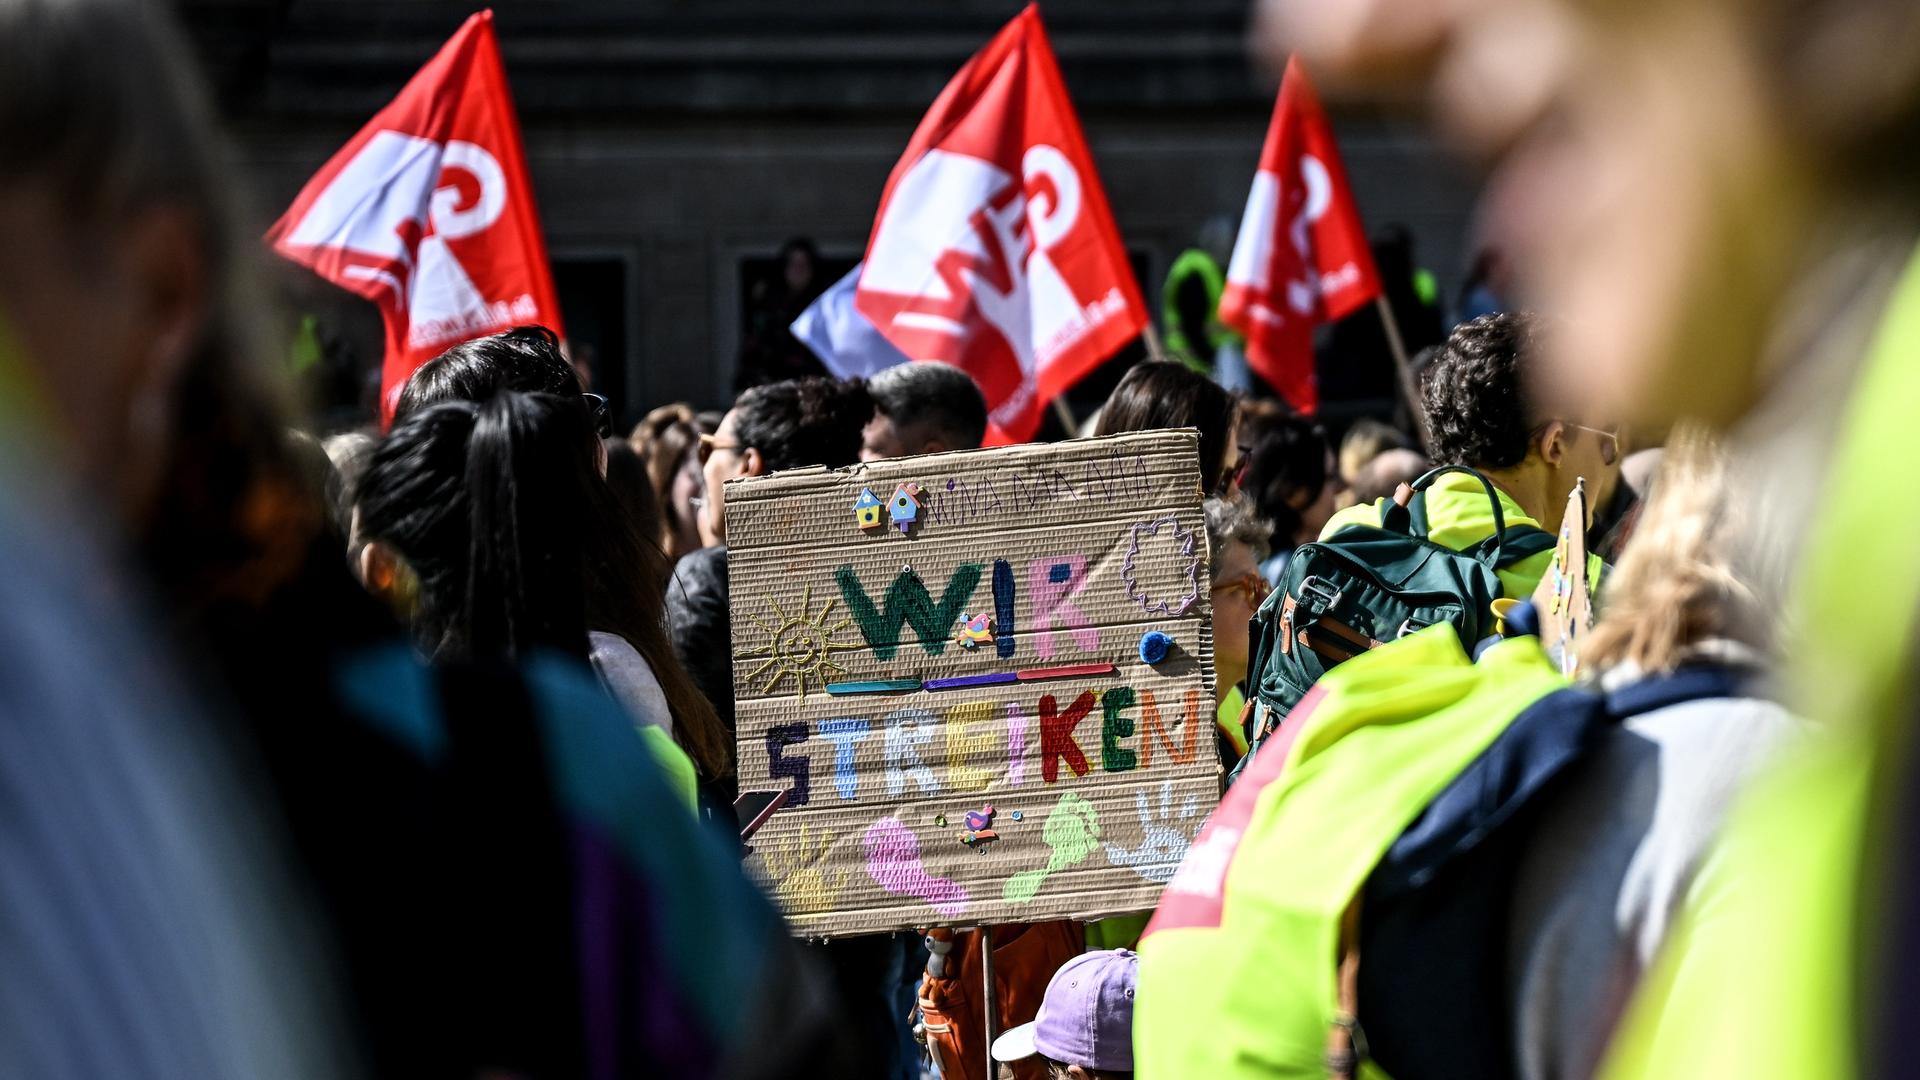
point(1763, 974)
point(1237, 977)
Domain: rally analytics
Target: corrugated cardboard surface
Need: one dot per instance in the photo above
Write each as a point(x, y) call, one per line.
point(793, 536)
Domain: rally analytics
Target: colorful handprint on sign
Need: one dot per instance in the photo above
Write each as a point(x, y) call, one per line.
point(1163, 837)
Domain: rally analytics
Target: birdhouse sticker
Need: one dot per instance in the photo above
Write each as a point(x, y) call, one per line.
point(866, 509)
point(904, 507)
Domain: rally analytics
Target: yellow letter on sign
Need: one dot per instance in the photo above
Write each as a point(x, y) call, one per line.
point(964, 744)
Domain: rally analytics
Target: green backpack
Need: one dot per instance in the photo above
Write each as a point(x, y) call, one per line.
point(1367, 585)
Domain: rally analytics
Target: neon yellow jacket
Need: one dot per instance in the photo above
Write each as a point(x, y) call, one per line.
point(1761, 978)
point(1459, 516)
point(1237, 976)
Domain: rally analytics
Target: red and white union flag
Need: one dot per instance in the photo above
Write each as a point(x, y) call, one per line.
point(1301, 257)
point(993, 249)
point(427, 212)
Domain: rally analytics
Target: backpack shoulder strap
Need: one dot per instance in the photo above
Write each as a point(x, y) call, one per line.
point(1491, 554)
point(1517, 544)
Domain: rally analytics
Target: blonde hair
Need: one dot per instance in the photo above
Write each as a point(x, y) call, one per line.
point(1681, 581)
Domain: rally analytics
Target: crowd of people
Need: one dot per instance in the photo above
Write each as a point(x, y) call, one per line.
point(411, 752)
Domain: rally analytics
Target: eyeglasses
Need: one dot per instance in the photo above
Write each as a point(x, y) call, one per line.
point(1251, 585)
point(1236, 473)
point(1609, 442)
point(708, 444)
point(602, 415)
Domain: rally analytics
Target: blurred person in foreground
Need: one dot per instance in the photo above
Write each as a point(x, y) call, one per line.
point(922, 408)
point(1486, 411)
point(1160, 394)
point(625, 590)
point(155, 915)
point(1620, 847)
point(1729, 221)
point(125, 282)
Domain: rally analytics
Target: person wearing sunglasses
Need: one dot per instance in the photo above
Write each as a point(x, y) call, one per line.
point(1486, 406)
point(782, 425)
point(1238, 537)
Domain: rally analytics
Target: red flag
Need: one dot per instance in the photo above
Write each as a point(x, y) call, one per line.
point(1302, 256)
point(993, 249)
point(427, 212)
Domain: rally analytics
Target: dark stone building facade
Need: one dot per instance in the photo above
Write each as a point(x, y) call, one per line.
point(673, 143)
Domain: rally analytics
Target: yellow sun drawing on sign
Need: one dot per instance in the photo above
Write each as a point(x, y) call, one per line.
point(801, 646)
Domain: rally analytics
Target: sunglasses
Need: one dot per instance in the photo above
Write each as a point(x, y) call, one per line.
point(1251, 585)
point(1236, 473)
point(602, 415)
point(708, 444)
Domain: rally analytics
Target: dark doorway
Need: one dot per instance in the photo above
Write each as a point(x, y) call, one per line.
point(593, 301)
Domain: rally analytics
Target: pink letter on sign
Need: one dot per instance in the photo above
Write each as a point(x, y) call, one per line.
point(1055, 581)
point(1016, 745)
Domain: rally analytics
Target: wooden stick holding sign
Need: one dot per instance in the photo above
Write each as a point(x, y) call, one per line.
point(1564, 599)
point(940, 660)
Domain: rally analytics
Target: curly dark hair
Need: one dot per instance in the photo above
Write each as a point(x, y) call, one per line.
point(1476, 394)
point(811, 420)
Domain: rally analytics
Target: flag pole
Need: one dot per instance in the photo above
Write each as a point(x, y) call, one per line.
point(1065, 412)
point(1404, 367)
point(1155, 350)
point(986, 996)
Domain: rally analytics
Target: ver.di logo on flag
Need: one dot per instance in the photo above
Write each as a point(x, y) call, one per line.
point(994, 249)
point(428, 213)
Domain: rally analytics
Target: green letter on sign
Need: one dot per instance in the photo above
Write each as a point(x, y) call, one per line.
point(908, 602)
point(1114, 727)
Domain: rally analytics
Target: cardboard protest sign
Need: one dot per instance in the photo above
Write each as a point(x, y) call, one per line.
point(1564, 599)
point(947, 661)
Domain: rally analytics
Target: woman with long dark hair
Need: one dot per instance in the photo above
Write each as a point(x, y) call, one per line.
point(622, 587)
point(1161, 394)
point(471, 498)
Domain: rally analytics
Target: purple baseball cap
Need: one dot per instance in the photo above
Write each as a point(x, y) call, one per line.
point(1086, 1019)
